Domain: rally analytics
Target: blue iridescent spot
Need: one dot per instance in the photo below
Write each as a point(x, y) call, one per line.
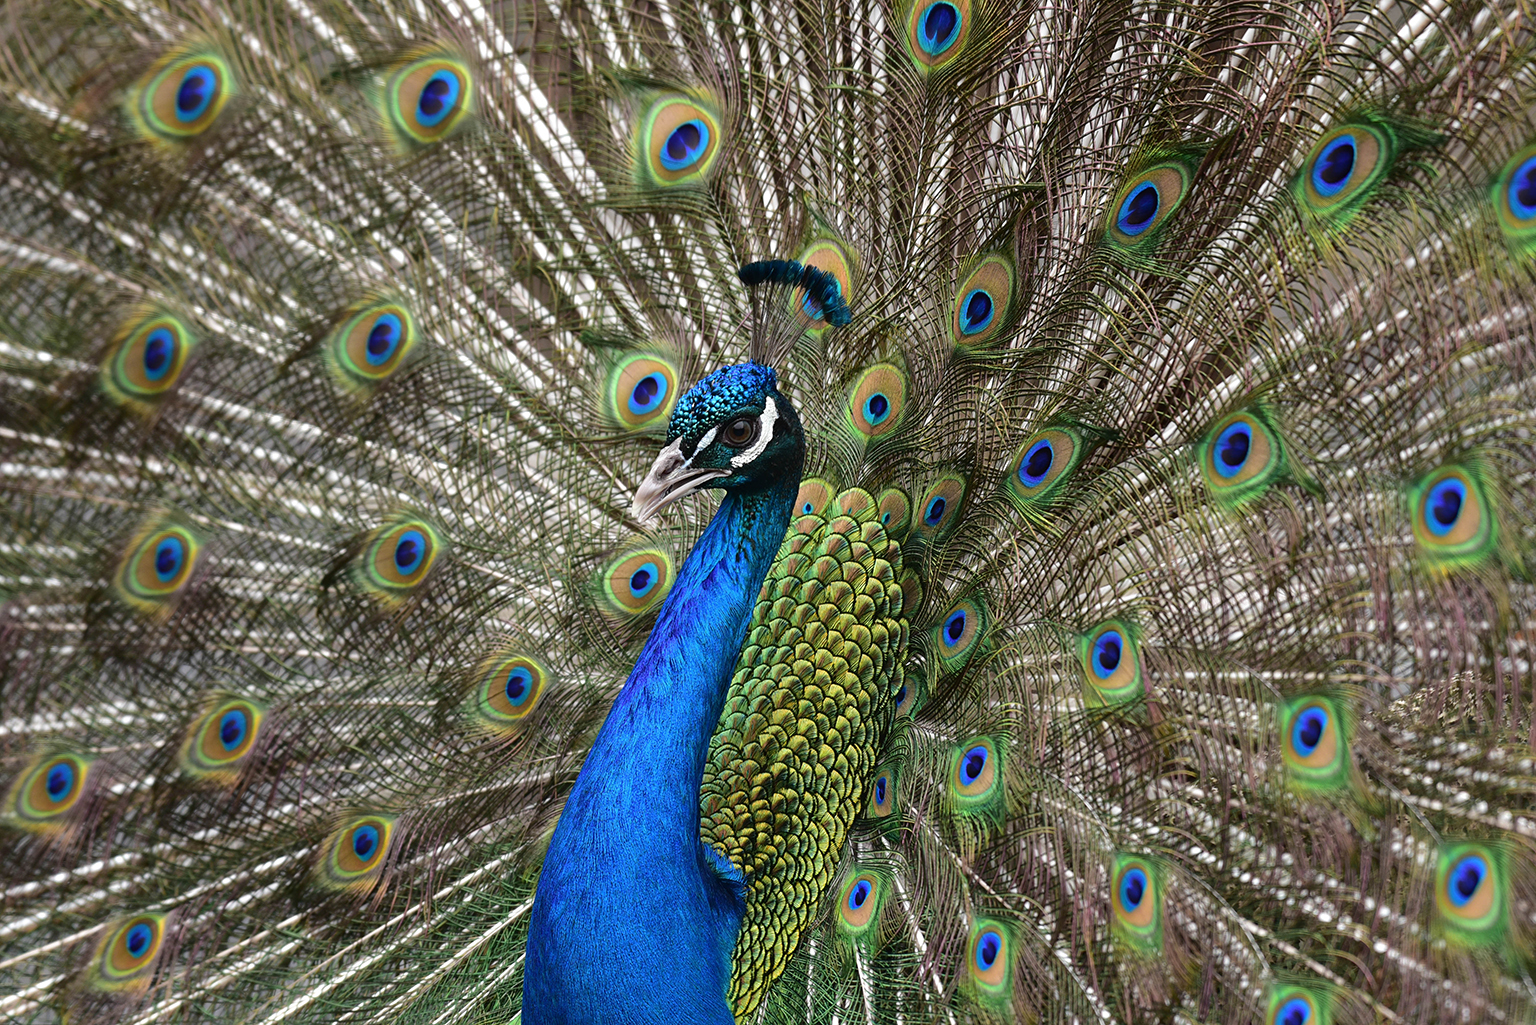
point(138, 940)
point(1466, 878)
point(1133, 887)
point(934, 512)
point(170, 553)
point(1139, 209)
point(1036, 463)
point(901, 695)
point(976, 311)
point(198, 87)
point(158, 349)
point(880, 787)
point(988, 946)
point(1308, 730)
point(876, 408)
point(1522, 191)
point(438, 98)
point(410, 552)
point(1294, 1011)
point(1443, 507)
point(685, 145)
point(1232, 447)
point(643, 580)
point(1334, 165)
point(954, 628)
point(365, 842)
point(648, 394)
point(972, 763)
point(232, 729)
point(61, 782)
point(859, 894)
point(383, 339)
point(519, 685)
point(938, 27)
point(1107, 650)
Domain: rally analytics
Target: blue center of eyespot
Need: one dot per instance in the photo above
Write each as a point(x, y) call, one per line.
point(935, 511)
point(858, 894)
point(1522, 191)
point(648, 394)
point(685, 145)
point(954, 628)
point(1333, 166)
point(365, 841)
point(232, 727)
point(383, 339)
point(975, 311)
point(138, 940)
point(519, 685)
point(876, 408)
point(1138, 210)
point(1036, 463)
point(937, 27)
point(1232, 446)
point(643, 579)
point(1133, 887)
point(971, 764)
point(196, 92)
point(1106, 654)
point(807, 509)
point(988, 946)
point(410, 552)
point(60, 782)
point(1295, 1011)
point(1308, 731)
point(169, 555)
point(901, 695)
point(438, 98)
point(1443, 507)
point(158, 348)
point(880, 785)
point(1466, 878)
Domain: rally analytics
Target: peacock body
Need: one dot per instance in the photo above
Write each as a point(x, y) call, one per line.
point(838, 512)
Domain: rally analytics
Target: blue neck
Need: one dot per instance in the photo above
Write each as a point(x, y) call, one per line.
point(632, 923)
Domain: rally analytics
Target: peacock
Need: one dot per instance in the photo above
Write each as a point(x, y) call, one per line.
point(858, 512)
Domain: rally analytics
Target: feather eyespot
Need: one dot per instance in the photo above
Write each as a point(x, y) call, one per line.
point(1042, 465)
point(876, 402)
point(1514, 200)
point(371, 343)
point(1469, 894)
point(1290, 1005)
point(679, 140)
point(125, 957)
point(157, 566)
point(975, 775)
point(1315, 744)
point(218, 742)
point(640, 391)
point(895, 510)
point(882, 794)
point(634, 583)
point(426, 100)
point(43, 794)
point(959, 634)
point(1240, 457)
point(983, 302)
point(1453, 522)
point(937, 31)
point(813, 498)
point(1111, 666)
point(989, 961)
point(1343, 168)
point(509, 691)
point(1141, 209)
point(399, 558)
point(182, 96)
point(831, 257)
point(353, 855)
point(859, 906)
point(938, 510)
point(1136, 902)
point(146, 359)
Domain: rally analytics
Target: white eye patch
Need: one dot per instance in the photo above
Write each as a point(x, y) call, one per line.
point(765, 422)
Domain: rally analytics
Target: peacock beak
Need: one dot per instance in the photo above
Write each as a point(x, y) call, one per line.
point(670, 479)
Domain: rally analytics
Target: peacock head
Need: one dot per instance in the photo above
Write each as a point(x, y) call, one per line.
point(733, 431)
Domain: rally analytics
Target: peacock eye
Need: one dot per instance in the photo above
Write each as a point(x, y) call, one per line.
point(739, 432)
